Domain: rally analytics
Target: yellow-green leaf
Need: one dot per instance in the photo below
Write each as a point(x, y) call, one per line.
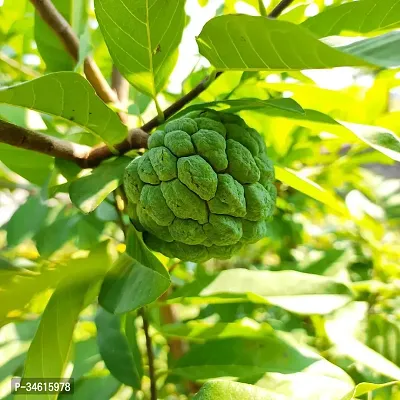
point(70, 96)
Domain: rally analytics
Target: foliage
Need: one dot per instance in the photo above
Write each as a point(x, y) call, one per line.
point(308, 311)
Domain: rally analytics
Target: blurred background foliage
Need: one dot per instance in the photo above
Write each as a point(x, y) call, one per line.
point(337, 218)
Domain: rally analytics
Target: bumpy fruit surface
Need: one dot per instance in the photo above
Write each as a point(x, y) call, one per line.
point(204, 189)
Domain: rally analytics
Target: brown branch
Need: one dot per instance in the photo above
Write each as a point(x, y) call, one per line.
point(137, 139)
point(63, 30)
point(26, 139)
point(30, 140)
point(280, 7)
point(150, 355)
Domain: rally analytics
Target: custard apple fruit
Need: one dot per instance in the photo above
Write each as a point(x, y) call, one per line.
point(203, 189)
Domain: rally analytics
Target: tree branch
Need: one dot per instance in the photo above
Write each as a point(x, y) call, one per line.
point(26, 139)
point(150, 355)
point(280, 7)
point(63, 30)
point(30, 140)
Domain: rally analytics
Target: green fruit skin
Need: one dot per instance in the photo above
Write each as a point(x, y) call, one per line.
point(204, 189)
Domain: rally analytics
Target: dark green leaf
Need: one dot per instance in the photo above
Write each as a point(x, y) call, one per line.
point(86, 356)
point(241, 358)
point(133, 282)
point(52, 237)
point(360, 16)
point(89, 191)
point(143, 38)
point(115, 349)
point(34, 167)
point(67, 168)
point(70, 96)
point(26, 221)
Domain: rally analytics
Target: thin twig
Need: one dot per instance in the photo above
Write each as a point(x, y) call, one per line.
point(19, 67)
point(280, 7)
point(119, 211)
point(150, 355)
point(31, 140)
point(67, 36)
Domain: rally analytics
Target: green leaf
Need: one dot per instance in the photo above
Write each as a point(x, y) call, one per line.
point(312, 189)
point(341, 329)
point(70, 96)
point(86, 356)
point(294, 291)
point(26, 221)
point(364, 388)
point(360, 17)
point(199, 331)
point(136, 279)
point(313, 383)
point(379, 50)
point(115, 349)
point(383, 335)
point(280, 105)
point(34, 167)
point(221, 390)
point(67, 168)
point(243, 42)
point(379, 138)
point(241, 358)
point(90, 387)
point(52, 237)
point(89, 191)
point(16, 293)
point(49, 45)
point(49, 351)
point(142, 37)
